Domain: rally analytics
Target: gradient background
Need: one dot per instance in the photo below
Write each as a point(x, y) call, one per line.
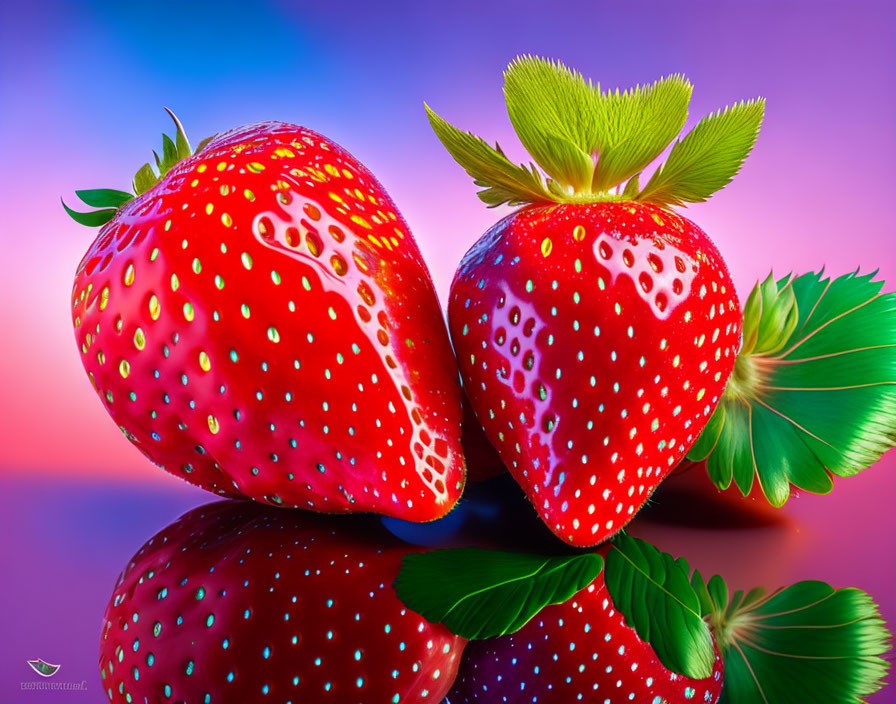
point(82, 87)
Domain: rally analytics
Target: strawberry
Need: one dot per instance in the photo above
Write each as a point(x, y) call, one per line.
point(595, 328)
point(236, 602)
point(581, 650)
point(259, 321)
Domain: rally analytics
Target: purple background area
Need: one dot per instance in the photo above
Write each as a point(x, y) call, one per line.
point(81, 91)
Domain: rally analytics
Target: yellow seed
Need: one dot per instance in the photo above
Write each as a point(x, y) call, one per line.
point(273, 335)
point(546, 246)
point(129, 275)
point(358, 220)
point(124, 368)
point(101, 357)
point(213, 425)
point(226, 220)
point(188, 312)
point(255, 167)
point(657, 219)
point(104, 298)
point(250, 196)
point(204, 361)
point(175, 282)
point(246, 258)
point(197, 266)
point(139, 339)
point(201, 168)
point(578, 232)
point(209, 208)
point(155, 307)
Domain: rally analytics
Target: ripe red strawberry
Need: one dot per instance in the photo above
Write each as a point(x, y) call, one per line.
point(595, 329)
point(581, 650)
point(235, 602)
point(260, 322)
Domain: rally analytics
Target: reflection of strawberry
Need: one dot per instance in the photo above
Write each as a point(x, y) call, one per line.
point(239, 603)
point(581, 650)
point(595, 329)
point(261, 322)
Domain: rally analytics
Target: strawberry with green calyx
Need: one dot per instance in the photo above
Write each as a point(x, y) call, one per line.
point(595, 329)
point(259, 321)
point(813, 392)
point(236, 603)
point(644, 629)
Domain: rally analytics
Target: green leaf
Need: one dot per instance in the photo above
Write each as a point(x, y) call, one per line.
point(556, 114)
point(806, 643)
point(182, 144)
point(708, 157)
point(638, 124)
point(816, 393)
point(204, 143)
point(104, 197)
point(502, 181)
point(94, 218)
point(480, 593)
point(144, 179)
point(169, 154)
point(653, 592)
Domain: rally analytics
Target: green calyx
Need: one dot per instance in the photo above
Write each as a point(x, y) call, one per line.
point(806, 643)
point(593, 145)
point(110, 200)
point(813, 390)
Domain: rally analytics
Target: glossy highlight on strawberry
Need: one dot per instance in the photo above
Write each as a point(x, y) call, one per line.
point(237, 602)
point(260, 323)
point(599, 339)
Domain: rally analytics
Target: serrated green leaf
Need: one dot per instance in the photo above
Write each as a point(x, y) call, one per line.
point(104, 197)
point(144, 179)
point(638, 124)
point(821, 402)
point(654, 593)
point(556, 114)
point(708, 157)
point(94, 218)
point(502, 181)
point(480, 593)
point(806, 643)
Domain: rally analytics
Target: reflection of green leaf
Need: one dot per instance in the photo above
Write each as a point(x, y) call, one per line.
point(480, 593)
point(653, 591)
point(44, 669)
point(806, 643)
point(813, 392)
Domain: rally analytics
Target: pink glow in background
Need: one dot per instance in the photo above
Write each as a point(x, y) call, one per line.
point(82, 87)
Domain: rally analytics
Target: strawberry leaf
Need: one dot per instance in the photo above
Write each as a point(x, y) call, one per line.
point(94, 218)
point(638, 124)
point(806, 643)
point(813, 392)
point(653, 592)
point(708, 157)
point(556, 114)
point(104, 197)
point(502, 180)
point(481, 593)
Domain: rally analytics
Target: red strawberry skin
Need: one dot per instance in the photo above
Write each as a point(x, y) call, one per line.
point(236, 602)
point(581, 650)
point(594, 342)
point(261, 323)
